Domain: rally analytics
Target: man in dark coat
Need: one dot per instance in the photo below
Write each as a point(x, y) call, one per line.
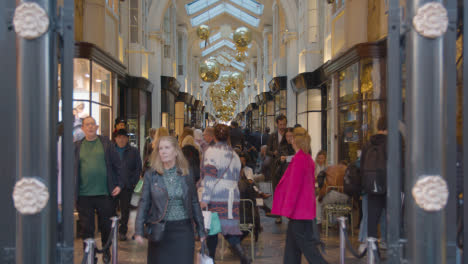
point(130, 174)
point(276, 141)
point(237, 137)
point(98, 181)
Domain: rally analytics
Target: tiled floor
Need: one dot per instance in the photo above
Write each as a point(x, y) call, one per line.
point(269, 249)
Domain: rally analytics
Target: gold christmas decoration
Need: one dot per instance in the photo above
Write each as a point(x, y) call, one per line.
point(237, 78)
point(209, 70)
point(203, 32)
point(240, 56)
point(242, 37)
point(224, 98)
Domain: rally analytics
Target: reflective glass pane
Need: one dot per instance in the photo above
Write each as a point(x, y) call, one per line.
point(302, 119)
point(103, 117)
point(314, 100)
point(252, 6)
point(81, 77)
point(315, 131)
point(349, 142)
point(271, 108)
point(80, 111)
point(349, 84)
point(302, 102)
point(198, 5)
point(371, 112)
point(218, 45)
point(284, 95)
point(225, 8)
point(372, 84)
point(102, 85)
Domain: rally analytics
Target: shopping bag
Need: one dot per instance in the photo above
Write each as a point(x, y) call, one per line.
point(215, 225)
point(202, 256)
point(139, 186)
point(207, 219)
point(135, 199)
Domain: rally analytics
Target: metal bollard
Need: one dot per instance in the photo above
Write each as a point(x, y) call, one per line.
point(342, 221)
point(371, 248)
point(115, 227)
point(90, 247)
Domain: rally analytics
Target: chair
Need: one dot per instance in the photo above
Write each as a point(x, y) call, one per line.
point(245, 225)
point(337, 209)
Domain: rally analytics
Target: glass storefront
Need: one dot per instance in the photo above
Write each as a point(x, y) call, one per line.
point(92, 96)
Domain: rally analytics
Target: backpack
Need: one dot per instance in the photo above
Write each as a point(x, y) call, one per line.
point(374, 171)
point(352, 181)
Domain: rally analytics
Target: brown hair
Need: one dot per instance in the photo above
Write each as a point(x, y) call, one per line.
point(181, 162)
point(222, 132)
point(302, 139)
point(187, 132)
point(321, 152)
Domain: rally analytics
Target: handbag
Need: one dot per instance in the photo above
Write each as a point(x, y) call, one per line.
point(154, 231)
point(139, 186)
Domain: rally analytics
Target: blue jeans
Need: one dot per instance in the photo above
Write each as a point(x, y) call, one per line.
point(363, 225)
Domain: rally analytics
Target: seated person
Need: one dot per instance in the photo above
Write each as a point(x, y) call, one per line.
point(334, 178)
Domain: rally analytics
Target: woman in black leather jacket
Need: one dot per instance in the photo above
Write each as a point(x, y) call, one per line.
point(168, 207)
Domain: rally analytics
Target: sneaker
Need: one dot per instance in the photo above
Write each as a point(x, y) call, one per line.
point(122, 237)
point(362, 247)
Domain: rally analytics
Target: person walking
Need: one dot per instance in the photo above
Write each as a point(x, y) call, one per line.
point(192, 154)
point(169, 207)
point(98, 181)
point(295, 198)
point(276, 142)
point(220, 173)
point(130, 173)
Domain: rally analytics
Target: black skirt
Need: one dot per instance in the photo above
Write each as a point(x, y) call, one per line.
point(176, 246)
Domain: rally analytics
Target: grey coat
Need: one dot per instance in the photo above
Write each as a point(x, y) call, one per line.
point(154, 199)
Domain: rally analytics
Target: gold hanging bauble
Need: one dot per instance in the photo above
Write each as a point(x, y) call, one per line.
point(227, 88)
point(237, 78)
point(209, 70)
point(242, 37)
point(203, 32)
point(240, 56)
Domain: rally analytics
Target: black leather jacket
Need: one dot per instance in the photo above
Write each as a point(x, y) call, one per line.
point(154, 201)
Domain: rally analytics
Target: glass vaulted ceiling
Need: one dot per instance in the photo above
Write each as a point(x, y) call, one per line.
point(227, 8)
point(219, 45)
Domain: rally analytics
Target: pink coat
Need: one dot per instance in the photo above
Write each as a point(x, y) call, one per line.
point(295, 194)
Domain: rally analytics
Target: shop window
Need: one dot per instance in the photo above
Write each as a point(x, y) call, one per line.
point(92, 96)
point(349, 143)
point(372, 82)
point(134, 21)
point(349, 84)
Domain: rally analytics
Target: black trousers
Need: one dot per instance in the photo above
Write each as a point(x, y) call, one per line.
point(124, 200)
point(87, 206)
point(212, 243)
point(300, 239)
point(177, 245)
point(376, 203)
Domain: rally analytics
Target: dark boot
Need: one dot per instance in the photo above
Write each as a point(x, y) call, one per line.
point(239, 251)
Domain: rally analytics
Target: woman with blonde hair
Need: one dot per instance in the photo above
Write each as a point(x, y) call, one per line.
point(161, 132)
point(295, 198)
point(169, 206)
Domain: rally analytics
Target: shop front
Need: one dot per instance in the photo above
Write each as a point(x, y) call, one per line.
point(135, 107)
point(358, 81)
point(94, 88)
point(169, 92)
point(251, 117)
point(197, 114)
point(311, 106)
point(278, 88)
point(183, 111)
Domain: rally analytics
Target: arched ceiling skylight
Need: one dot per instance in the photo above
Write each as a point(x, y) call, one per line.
point(218, 45)
point(227, 9)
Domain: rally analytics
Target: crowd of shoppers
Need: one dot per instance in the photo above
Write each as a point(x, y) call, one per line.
point(213, 170)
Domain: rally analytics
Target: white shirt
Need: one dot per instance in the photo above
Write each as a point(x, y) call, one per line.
point(280, 137)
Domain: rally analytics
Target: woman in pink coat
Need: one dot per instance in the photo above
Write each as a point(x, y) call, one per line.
point(294, 198)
